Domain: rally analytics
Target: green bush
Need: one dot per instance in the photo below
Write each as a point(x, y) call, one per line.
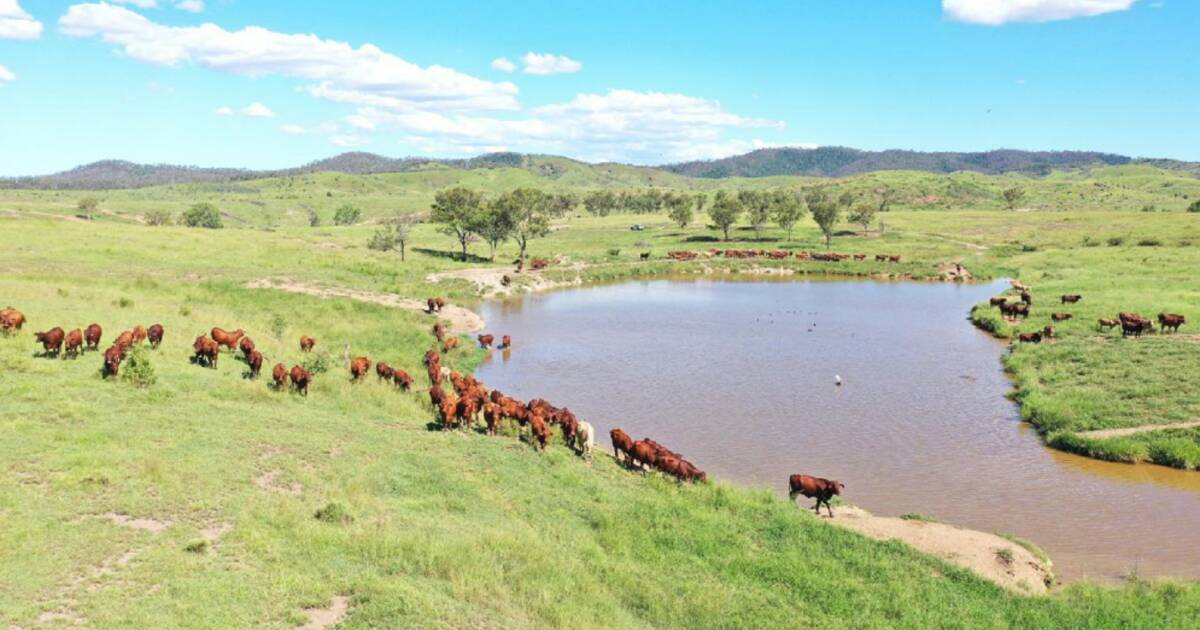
point(317, 362)
point(346, 215)
point(1195, 207)
point(383, 240)
point(157, 217)
point(1149, 242)
point(1116, 241)
point(202, 215)
point(333, 513)
point(137, 370)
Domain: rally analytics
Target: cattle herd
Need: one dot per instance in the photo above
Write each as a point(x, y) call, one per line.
point(461, 409)
point(774, 254)
point(1132, 324)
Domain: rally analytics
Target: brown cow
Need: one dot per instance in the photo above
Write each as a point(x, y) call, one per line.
point(138, 334)
point(51, 340)
point(255, 361)
point(1071, 298)
point(1030, 337)
point(112, 360)
point(1021, 310)
point(998, 301)
point(505, 342)
point(384, 371)
point(1171, 320)
point(643, 455)
point(1048, 333)
point(465, 410)
point(307, 343)
point(492, 415)
point(1026, 298)
point(815, 487)
point(11, 319)
point(92, 336)
point(451, 343)
point(246, 345)
point(359, 368)
point(439, 332)
point(124, 339)
point(1135, 327)
point(485, 341)
point(447, 407)
point(541, 432)
point(1060, 317)
point(300, 379)
point(622, 444)
point(280, 375)
point(440, 303)
point(691, 473)
point(1108, 323)
point(154, 334)
point(206, 351)
point(229, 339)
point(74, 342)
point(402, 379)
point(432, 357)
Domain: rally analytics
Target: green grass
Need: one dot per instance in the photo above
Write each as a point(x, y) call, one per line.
point(453, 529)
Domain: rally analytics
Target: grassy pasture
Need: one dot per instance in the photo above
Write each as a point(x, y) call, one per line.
point(464, 530)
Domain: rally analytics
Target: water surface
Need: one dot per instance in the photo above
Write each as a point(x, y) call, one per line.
point(740, 378)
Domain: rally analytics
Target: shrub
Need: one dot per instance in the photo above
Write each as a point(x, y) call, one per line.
point(333, 513)
point(138, 371)
point(346, 215)
point(202, 215)
point(1028, 247)
point(614, 252)
point(383, 240)
point(1149, 208)
point(317, 362)
point(123, 302)
point(1195, 207)
point(87, 207)
point(1149, 242)
point(157, 217)
point(1088, 242)
point(1116, 241)
point(278, 326)
point(314, 219)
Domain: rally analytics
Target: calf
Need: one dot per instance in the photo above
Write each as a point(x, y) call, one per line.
point(1071, 298)
point(1171, 320)
point(307, 343)
point(255, 361)
point(1048, 333)
point(300, 379)
point(51, 340)
point(280, 375)
point(1108, 323)
point(92, 336)
point(402, 379)
point(359, 368)
point(74, 342)
point(154, 334)
point(815, 487)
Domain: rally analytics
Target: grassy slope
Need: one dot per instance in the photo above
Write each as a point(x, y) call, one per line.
point(449, 529)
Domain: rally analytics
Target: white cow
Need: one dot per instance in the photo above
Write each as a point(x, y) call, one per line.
point(585, 440)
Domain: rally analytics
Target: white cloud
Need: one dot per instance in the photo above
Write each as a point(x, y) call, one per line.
point(324, 129)
point(141, 4)
point(6, 76)
point(997, 12)
point(195, 6)
point(549, 64)
point(363, 75)
point(645, 127)
point(349, 141)
point(258, 110)
point(224, 111)
point(15, 23)
point(503, 64)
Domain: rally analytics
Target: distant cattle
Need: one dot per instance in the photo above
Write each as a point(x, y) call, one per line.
point(1027, 298)
point(622, 444)
point(435, 304)
point(280, 375)
point(74, 342)
point(1108, 323)
point(1060, 317)
point(246, 345)
point(255, 361)
point(138, 334)
point(229, 339)
point(485, 341)
point(505, 342)
point(1071, 298)
point(384, 371)
point(51, 340)
point(439, 332)
point(92, 335)
point(451, 343)
point(206, 350)
point(1048, 333)
point(307, 343)
point(112, 360)
point(300, 379)
point(1030, 337)
point(11, 320)
point(998, 301)
point(541, 432)
point(643, 454)
point(1135, 327)
point(154, 334)
point(585, 439)
point(815, 488)
point(1171, 320)
point(125, 339)
point(402, 379)
point(359, 368)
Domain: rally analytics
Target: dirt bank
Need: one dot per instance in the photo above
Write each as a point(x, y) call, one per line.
point(461, 320)
point(1104, 434)
point(997, 559)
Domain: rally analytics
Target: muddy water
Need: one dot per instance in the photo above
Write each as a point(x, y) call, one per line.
point(740, 378)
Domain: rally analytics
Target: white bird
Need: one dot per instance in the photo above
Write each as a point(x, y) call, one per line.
point(837, 378)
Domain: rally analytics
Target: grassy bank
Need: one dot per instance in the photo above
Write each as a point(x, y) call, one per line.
point(445, 529)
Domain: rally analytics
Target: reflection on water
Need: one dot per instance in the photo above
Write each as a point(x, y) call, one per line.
point(740, 378)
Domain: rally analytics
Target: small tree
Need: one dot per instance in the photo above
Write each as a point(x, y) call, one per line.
point(846, 199)
point(600, 202)
point(679, 210)
point(528, 212)
point(458, 210)
point(202, 215)
point(562, 204)
point(1195, 207)
point(758, 209)
point(887, 195)
point(346, 215)
point(383, 240)
point(314, 219)
point(786, 210)
point(863, 214)
point(1012, 196)
point(157, 217)
point(87, 207)
point(403, 230)
point(825, 212)
point(724, 212)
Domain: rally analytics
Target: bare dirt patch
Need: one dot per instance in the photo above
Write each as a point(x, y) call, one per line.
point(997, 559)
point(144, 524)
point(214, 532)
point(461, 320)
point(269, 481)
point(328, 617)
point(490, 280)
point(1105, 434)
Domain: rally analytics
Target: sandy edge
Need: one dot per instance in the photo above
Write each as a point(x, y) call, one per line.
point(987, 555)
point(1104, 434)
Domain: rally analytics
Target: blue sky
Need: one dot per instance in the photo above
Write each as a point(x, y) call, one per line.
point(265, 84)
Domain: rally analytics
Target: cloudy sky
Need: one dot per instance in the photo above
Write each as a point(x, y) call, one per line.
point(263, 84)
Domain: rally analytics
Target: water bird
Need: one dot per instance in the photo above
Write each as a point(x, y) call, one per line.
point(837, 378)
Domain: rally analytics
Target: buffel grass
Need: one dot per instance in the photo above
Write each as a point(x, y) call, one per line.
point(449, 529)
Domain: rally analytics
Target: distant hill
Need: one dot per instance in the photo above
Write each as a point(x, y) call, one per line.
point(842, 162)
point(819, 162)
